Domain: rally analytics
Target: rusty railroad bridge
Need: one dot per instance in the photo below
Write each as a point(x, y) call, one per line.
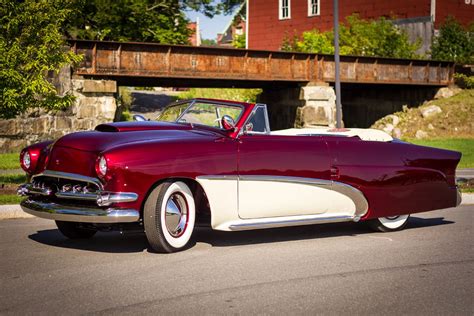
point(296, 86)
point(148, 63)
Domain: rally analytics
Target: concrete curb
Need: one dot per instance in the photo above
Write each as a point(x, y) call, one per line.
point(12, 211)
point(15, 211)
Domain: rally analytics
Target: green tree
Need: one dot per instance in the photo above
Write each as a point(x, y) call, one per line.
point(358, 37)
point(208, 42)
point(31, 45)
point(454, 43)
point(239, 41)
point(161, 21)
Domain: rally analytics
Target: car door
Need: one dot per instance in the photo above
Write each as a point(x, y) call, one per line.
point(283, 176)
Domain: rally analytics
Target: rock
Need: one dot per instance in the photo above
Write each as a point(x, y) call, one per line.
point(395, 119)
point(446, 92)
point(388, 128)
point(430, 111)
point(397, 133)
point(421, 134)
point(430, 126)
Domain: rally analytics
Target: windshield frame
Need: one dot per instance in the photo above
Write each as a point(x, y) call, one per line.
point(212, 102)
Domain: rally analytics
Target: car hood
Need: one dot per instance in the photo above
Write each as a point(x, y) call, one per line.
point(107, 136)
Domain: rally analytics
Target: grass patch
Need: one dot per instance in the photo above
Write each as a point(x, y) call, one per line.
point(12, 178)
point(465, 146)
point(243, 95)
point(10, 161)
point(6, 199)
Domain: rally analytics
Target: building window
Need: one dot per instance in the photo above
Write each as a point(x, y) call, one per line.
point(313, 7)
point(284, 9)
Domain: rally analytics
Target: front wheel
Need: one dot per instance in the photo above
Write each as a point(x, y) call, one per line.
point(389, 224)
point(72, 230)
point(169, 215)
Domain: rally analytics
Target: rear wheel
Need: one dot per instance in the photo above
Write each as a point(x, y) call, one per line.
point(169, 216)
point(389, 224)
point(72, 230)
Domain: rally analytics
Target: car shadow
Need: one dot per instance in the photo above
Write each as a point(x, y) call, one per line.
point(223, 239)
point(109, 242)
point(115, 242)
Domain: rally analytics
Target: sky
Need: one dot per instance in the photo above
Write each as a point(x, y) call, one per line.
point(209, 26)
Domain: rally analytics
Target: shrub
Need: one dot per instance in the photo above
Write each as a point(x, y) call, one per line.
point(454, 43)
point(357, 37)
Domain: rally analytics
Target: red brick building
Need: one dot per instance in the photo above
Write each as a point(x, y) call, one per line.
point(270, 21)
point(195, 37)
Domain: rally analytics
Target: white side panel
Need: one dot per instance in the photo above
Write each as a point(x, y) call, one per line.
point(221, 192)
point(265, 199)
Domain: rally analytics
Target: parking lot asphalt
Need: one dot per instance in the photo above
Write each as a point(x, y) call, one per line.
point(321, 269)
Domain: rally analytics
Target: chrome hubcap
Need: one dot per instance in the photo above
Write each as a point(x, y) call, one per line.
point(392, 217)
point(176, 216)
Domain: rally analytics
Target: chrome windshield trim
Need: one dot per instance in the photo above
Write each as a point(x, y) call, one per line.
point(193, 101)
point(69, 176)
point(59, 212)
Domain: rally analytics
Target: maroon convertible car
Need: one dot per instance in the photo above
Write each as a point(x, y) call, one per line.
point(218, 162)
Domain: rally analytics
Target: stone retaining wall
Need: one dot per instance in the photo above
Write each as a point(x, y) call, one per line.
point(95, 104)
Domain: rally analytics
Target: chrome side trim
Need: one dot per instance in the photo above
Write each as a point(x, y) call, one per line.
point(79, 214)
point(69, 176)
point(218, 177)
point(310, 181)
point(354, 194)
point(288, 221)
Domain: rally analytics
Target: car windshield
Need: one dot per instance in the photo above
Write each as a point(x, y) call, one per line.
point(199, 112)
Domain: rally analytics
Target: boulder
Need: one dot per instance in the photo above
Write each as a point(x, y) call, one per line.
point(420, 134)
point(430, 111)
point(447, 92)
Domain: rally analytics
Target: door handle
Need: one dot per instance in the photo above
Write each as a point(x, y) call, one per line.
point(334, 173)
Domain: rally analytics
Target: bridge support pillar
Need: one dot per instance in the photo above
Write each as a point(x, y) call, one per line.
point(313, 104)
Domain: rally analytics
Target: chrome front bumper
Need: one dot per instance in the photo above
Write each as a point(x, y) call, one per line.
point(59, 212)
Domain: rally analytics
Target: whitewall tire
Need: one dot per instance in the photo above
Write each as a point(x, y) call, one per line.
point(169, 216)
point(389, 224)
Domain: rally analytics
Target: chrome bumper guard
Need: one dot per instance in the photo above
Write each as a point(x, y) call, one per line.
point(102, 198)
point(59, 212)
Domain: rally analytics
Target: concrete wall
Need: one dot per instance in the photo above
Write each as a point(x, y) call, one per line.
point(95, 104)
point(305, 106)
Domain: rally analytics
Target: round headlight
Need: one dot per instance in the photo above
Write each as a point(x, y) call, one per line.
point(102, 166)
point(27, 160)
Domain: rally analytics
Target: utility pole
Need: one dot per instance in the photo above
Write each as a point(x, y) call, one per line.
point(337, 67)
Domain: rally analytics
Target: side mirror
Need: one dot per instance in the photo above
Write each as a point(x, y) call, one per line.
point(139, 118)
point(227, 123)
